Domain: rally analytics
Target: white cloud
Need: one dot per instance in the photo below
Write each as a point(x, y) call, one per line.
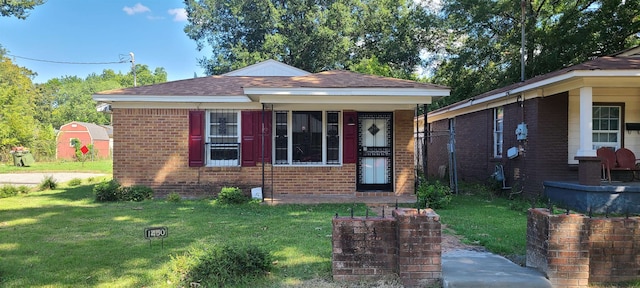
point(138, 8)
point(179, 14)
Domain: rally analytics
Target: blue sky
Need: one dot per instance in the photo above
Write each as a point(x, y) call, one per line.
point(96, 31)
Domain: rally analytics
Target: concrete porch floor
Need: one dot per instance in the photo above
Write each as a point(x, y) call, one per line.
point(323, 199)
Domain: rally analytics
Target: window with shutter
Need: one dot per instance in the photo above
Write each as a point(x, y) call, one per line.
point(196, 139)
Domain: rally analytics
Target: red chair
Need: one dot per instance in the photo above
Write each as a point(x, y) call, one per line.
point(608, 161)
point(626, 161)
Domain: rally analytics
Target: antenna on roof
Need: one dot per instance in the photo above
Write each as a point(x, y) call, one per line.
point(133, 68)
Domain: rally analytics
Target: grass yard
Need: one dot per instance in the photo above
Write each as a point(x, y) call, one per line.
point(491, 223)
point(100, 166)
point(63, 238)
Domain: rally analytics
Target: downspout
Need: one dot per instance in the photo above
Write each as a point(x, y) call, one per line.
point(262, 140)
point(416, 137)
point(424, 142)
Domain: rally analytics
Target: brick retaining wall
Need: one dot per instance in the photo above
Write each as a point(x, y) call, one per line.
point(575, 250)
point(370, 248)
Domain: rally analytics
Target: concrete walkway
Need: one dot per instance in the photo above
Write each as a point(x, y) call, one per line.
point(317, 199)
point(464, 268)
point(34, 179)
point(460, 268)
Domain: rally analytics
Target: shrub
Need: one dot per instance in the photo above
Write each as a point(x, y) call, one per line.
point(174, 197)
point(24, 189)
point(433, 195)
point(107, 191)
point(223, 266)
point(231, 195)
point(8, 191)
point(75, 182)
point(135, 193)
point(48, 183)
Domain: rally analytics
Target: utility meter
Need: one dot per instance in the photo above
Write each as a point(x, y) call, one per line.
point(521, 131)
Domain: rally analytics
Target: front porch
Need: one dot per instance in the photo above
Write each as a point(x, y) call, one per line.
point(614, 197)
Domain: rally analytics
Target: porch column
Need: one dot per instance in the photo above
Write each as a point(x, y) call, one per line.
point(589, 164)
point(586, 123)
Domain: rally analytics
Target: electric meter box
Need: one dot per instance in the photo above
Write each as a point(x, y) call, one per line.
point(521, 131)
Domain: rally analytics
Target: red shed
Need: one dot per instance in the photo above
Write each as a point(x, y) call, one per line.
point(86, 133)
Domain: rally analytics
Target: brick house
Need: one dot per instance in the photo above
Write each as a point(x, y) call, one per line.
point(269, 125)
point(568, 114)
point(85, 133)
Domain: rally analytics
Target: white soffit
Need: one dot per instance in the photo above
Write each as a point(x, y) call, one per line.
point(295, 92)
point(186, 99)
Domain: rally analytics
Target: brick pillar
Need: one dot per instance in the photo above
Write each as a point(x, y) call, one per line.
point(363, 248)
point(566, 250)
point(589, 170)
point(420, 251)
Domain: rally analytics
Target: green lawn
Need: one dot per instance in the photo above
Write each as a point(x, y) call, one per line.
point(62, 238)
point(101, 166)
point(488, 222)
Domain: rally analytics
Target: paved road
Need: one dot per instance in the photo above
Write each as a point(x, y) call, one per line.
point(34, 179)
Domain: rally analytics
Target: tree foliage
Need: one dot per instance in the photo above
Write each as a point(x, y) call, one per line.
point(312, 35)
point(30, 112)
point(70, 99)
point(482, 44)
point(18, 8)
point(19, 125)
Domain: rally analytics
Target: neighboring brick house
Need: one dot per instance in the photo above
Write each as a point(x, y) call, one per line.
point(269, 125)
point(568, 114)
point(87, 134)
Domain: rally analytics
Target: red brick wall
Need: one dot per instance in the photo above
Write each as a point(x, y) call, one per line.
point(404, 152)
point(150, 148)
point(408, 245)
point(575, 250)
point(545, 155)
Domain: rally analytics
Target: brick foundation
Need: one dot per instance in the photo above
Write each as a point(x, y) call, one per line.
point(575, 250)
point(407, 244)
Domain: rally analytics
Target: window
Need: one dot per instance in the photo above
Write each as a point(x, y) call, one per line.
point(606, 126)
point(498, 119)
point(223, 138)
point(307, 138)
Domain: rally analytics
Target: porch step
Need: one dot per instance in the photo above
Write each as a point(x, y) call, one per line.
point(464, 268)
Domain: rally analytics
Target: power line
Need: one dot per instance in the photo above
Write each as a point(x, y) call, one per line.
point(68, 62)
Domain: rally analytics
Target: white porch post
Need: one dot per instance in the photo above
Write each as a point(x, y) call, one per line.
point(588, 163)
point(586, 123)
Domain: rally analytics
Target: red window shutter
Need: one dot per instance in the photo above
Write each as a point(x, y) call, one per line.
point(248, 138)
point(196, 138)
point(267, 136)
point(350, 131)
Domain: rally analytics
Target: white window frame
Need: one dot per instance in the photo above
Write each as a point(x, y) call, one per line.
point(596, 128)
point(498, 132)
point(72, 140)
point(209, 136)
point(290, 145)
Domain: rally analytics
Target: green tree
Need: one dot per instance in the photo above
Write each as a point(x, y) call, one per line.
point(312, 35)
point(18, 8)
point(482, 39)
point(19, 125)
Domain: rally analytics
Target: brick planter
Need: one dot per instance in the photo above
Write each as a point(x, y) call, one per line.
point(407, 244)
